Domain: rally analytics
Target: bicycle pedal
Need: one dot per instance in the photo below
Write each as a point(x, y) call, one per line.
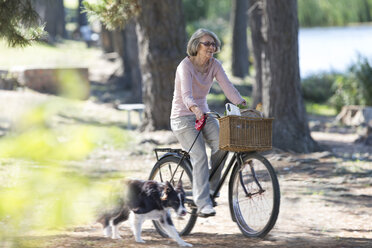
point(206, 215)
point(213, 201)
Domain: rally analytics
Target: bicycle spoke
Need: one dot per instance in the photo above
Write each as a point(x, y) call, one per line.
point(170, 168)
point(161, 176)
point(253, 196)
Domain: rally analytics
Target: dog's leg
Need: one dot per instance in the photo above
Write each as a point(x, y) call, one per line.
point(105, 221)
point(115, 230)
point(115, 222)
point(107, 231)
point(167, 224)
point(136, 221)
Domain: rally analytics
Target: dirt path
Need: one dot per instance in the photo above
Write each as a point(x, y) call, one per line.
point(326, 199)
point(326, 202)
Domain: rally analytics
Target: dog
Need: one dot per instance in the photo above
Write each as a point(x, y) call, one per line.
point(146, 200)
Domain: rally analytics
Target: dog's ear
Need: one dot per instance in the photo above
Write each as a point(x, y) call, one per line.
point(167, 189)
point(179, 185)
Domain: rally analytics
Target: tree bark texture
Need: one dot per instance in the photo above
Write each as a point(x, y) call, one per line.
point(107, 42)
point(162, 42)
point(254, 17)
point(124, 43)
point(82, 16)
point(53, 14)
point(240, 54)
point(281, 94)
point(132, 71)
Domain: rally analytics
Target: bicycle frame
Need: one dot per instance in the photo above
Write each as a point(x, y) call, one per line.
point(236, 160)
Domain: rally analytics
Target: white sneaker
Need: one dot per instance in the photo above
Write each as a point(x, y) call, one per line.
point(207, 211)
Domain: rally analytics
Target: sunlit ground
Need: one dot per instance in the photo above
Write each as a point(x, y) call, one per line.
point(65, 54)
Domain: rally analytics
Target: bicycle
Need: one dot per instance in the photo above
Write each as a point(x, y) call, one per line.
point(254, 194)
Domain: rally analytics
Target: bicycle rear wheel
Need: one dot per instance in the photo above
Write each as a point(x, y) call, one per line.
point(254, 196)
point(162, 172)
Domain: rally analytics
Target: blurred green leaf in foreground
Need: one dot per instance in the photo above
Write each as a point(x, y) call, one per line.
point(37, 190)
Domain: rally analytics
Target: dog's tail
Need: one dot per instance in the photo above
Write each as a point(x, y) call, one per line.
point(120, 210)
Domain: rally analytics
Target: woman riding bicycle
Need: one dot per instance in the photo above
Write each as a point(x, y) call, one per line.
point(194, 78)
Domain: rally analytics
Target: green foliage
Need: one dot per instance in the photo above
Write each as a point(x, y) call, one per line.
point(39, 188)
point(113, 13)
point(362, 71)
point(318, 87)
point(216, 99)
point(355, 87)
point(195, 10)
point(210, 14)
point(333, 12)
point(320, 109)
point(19, 22)
point(241, 106)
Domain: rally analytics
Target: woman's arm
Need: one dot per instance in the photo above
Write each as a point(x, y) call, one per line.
point(185, 81)
point(185, 78)
point(227, 87)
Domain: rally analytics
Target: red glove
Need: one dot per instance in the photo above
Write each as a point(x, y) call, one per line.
point(199, 124)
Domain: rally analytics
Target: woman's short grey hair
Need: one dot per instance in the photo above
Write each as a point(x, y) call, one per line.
point(192, 45)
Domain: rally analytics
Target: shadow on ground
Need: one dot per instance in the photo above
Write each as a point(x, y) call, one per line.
point(197, 239)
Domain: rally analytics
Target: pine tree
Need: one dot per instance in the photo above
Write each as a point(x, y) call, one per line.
point(19, 23)
point(113, 13)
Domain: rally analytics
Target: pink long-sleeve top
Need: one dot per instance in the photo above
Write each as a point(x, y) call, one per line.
point(192, 87)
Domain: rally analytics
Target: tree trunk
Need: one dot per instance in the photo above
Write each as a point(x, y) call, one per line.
point(162, 39)
point(82, 16)
point(124, 42)
point(131, 63)
point(53, 14)
point(255, 15)
point(107, 43)
point(282, 98)
point(240, 54)
point(55, 19)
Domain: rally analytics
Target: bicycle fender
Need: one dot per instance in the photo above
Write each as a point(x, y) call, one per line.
point(236, 167)
point(174, 154)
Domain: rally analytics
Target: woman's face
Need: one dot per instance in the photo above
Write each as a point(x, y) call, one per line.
point(207, 47)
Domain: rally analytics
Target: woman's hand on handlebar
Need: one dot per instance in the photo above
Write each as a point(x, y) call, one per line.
point(198, 112)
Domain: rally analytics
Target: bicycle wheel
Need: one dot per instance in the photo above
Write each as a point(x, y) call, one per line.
point(162, 172)
point(254, 196)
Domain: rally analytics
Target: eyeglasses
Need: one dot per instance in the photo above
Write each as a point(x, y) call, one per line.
point(208, 44)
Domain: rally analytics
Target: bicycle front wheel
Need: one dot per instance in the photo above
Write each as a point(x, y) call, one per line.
point(162, 172)
point(254, 196)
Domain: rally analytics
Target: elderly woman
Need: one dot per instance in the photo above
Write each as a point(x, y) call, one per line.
point(194, 78)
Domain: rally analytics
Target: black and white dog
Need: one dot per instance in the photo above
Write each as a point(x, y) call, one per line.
point(146, 200)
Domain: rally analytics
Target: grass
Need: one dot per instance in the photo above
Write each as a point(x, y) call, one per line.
point(311, 108)
point(65, 54)
point(320, 109)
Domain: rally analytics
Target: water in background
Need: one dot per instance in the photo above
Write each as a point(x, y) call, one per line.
point(332, 48)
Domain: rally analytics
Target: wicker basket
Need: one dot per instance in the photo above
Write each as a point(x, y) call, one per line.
point(242, 134)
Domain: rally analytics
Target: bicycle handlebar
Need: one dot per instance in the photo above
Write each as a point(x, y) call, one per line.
point(199, 124)
point(213, 114)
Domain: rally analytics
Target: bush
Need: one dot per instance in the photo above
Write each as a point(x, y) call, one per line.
point(362, 71)
point(318, 88)
point(354, 88)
